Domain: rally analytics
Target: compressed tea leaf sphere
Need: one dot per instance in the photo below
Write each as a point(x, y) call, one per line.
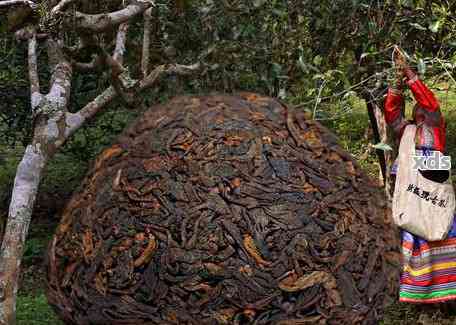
point(223, 210)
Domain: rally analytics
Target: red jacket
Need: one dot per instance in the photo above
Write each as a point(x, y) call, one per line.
point(431, 131)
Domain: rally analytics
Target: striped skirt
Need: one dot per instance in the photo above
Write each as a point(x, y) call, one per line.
point(428, 269)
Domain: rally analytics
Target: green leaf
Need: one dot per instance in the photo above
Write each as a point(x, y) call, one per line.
point(383, 146)
point(417, 26)
point(302, 65)
point(317, 60)
point(258, 3)
point(318, 76)
point(349, 94)
point(435, 26)
point(364, 55)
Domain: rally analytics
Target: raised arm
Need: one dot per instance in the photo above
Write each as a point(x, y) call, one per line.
point(423, 95)
point(394, 114)
point(427, 112)
point(394, 102)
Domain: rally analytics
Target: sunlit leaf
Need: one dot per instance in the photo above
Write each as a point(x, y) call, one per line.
point(259, 3)
point(383, 146)
point(317, 60)
point(349, 94)
point(417, 26)
point(434, 27)
point(302, 65)
point(364, 55)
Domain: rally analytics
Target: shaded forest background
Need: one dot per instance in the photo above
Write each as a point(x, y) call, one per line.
point(327, 57)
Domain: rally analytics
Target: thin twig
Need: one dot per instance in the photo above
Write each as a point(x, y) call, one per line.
point(446, 70)
point(339, 94)
point(318, 98)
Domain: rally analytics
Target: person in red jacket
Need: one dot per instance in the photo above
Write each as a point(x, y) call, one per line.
point(431, 130)
point(428, 268)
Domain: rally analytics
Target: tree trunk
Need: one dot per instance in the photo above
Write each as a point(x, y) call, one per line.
point(383, 132)
point(20, 211)
point(376, 133)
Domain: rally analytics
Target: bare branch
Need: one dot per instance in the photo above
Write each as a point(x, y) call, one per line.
point(33, 73)
point(146, 42)
point(59, 92)
point(120, 43)
point(8, 3)
point(25, 34)
point(95, 64)
point(165, 70)
point(123, 86)
point(33, 65)
point(119, 77)
point(75, 120)
point(61, 5)
point(116, 67)
point(105, 21)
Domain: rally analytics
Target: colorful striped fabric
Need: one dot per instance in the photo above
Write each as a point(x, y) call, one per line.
point(429, 269)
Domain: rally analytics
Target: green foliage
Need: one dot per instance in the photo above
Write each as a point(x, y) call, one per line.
point(14, 105)
point(94, 136)
point(300, 51)
point(34, 249)
point(365, 30)
point(34, 310)
point(8, 162)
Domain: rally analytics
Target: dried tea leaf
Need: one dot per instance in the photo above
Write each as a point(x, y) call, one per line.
point(147, 254)
point(107, 154)
point(318, 277)
point(250, 246)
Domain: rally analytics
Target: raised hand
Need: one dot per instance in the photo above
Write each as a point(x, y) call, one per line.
point(401, 65)
point(399, 58)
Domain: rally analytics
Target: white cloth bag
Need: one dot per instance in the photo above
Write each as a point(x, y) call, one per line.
point(420, 206)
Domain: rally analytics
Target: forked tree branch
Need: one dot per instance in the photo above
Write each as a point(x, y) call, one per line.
point(75, 120)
